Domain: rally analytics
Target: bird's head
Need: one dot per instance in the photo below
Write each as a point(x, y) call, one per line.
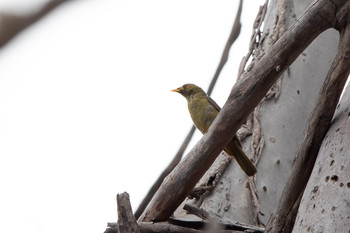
point(188, 90)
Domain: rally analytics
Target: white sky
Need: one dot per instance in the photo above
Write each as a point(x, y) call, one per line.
point(86, 110)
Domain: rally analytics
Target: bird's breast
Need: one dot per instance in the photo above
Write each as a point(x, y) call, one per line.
point(202, 113)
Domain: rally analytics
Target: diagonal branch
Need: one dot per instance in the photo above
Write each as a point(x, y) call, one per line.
point(12, 24)
point(244, 97)
point(233, 36)
point(166, 171)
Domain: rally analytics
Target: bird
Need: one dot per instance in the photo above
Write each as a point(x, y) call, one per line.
point(203, 111)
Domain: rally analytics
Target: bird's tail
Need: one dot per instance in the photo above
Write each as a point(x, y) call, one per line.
point(234, 149)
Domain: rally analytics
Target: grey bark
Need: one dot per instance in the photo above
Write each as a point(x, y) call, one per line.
point(325, 206)
point(284, 118)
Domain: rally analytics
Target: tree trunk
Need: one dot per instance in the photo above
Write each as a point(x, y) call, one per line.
point(277, 125)
point(325, 206)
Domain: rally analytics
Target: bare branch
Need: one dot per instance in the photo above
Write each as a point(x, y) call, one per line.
point(126, 220)
point(232, 38)
point(206, 185)
point(166, 171)
point(244, 97)
point(12, 24)
point(199, 212)
point(178, 226)
point(236, 28)
point(158, 227)
point(316, 129)
point(289, 224)
point(227, 224)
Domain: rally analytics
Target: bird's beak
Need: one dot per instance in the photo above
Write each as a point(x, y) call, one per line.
point(176, 90)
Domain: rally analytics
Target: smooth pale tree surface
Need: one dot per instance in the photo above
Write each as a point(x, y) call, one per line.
point(325, 206)
point(284, 119)
point(86, 110)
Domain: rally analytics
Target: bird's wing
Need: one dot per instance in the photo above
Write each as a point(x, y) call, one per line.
point(217, 107)
point(212, 102)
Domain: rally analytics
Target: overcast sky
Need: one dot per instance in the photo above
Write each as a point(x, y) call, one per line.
point(86, 110)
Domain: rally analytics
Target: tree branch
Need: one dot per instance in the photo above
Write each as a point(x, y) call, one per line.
point(180, 226)
point(166, 171)
point(236, 29)
point(12, 24)
point(316, 129)
point(212, 219)
point(245, 95)
point(147, 227)
point(232, 38)
point(126, 220)
point(205, 186)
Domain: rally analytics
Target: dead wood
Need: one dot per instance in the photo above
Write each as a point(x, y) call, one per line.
point(236, 28)
point(126, 220)
point(180, 226)
point(288, 226)
point(244, 97)
point(316, 129)
point(224, 223)
point(147, 227)
point(167, 170)
point(206, 185)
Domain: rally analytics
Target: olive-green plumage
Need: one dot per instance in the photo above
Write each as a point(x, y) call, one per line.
point(203, 111)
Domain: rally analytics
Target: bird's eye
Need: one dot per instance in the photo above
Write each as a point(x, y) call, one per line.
point(185, 86)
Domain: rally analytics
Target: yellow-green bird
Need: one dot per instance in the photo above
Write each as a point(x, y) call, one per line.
point(203, 111)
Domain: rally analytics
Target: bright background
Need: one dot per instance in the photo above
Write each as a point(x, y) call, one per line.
point(86, 110)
